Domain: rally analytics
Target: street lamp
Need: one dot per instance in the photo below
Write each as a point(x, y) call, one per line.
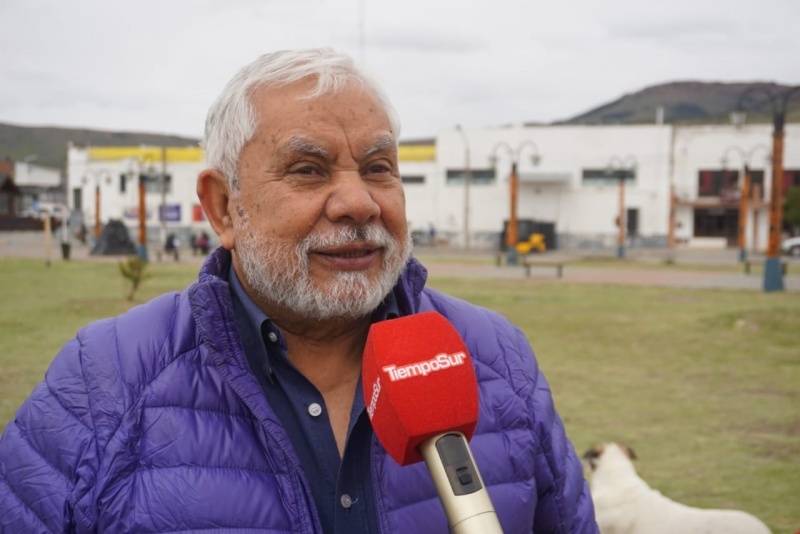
point(744, 195)
point(511, 230)
point(141, 249)
point(621, 167)
point(773, 273)
point(98, 175)
point(467, 181)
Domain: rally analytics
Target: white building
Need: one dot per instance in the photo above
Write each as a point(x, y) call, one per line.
point(575, 186)
point(41, 187)
point(103, 184)
point(572, 190)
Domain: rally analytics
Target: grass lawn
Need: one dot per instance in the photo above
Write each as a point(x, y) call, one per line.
point(703, 384)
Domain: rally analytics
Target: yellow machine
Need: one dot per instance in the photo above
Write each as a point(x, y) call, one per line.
point(535, 243)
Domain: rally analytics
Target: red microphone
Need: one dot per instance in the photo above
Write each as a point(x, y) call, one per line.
point(422, 399)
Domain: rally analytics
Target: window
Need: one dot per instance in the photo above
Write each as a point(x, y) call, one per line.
point(152, 183)
point(717, 183)
point(790, 179)
point(77, 199)
point(413, 179)
point(477, 176)
point(608, 176)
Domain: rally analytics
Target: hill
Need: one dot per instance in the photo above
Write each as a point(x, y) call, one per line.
point(49, 144)
point(688, 102)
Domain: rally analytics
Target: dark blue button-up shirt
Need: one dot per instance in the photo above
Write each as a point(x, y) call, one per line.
point(342, 487)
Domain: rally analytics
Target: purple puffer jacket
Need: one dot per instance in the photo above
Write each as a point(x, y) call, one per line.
point(152, 422)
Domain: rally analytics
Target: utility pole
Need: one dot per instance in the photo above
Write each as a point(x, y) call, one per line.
point(163, 210)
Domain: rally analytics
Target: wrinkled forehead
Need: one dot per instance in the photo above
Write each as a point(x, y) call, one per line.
point(312, 88)
point(304, 144)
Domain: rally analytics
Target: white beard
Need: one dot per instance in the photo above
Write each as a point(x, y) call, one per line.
point(278, 271)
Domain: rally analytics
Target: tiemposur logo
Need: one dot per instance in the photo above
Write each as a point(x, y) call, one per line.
point(440, 362)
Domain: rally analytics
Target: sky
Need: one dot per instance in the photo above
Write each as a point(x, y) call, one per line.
point(156, 65)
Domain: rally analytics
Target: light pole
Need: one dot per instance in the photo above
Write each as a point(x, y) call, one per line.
point(744, 195)
point(621, 168)
point(773, 273)
point(162, 212)
point(141, 249)
point(467, 181)
point(513, 187)
point(98, 175)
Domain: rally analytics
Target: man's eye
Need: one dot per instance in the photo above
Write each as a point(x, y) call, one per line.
point(305, 169)
point(378, 168)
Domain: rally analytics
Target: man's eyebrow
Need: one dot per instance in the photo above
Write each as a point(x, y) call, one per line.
point(384, 143)
point(302, 145)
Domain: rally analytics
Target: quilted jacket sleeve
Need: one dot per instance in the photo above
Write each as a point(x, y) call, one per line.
point(48, 453)
point(565, 504)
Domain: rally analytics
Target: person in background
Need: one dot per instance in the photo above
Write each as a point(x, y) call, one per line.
point(204, 243)
point(236, 404)
point(193, 244)
point(171, 246)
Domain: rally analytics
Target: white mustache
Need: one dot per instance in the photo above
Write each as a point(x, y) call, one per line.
point(345, 235)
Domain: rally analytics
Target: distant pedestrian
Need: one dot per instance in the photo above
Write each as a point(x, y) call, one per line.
point(203, 243)
point(171, 246)
point(82, 233)
point(193, 243)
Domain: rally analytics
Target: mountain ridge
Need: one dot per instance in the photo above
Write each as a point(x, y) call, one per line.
point(683, 102)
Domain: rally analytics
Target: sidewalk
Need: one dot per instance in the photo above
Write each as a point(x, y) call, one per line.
point(639, 267)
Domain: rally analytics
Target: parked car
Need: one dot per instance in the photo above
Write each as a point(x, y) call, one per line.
point(791, 246)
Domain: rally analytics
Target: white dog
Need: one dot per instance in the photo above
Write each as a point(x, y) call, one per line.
point(625, 504)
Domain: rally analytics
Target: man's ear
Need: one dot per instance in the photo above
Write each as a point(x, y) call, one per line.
point(215, 197)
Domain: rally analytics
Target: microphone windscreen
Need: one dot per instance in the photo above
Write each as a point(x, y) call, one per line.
point(418, 382)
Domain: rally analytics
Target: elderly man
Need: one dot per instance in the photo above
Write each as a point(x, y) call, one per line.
point(236, 405)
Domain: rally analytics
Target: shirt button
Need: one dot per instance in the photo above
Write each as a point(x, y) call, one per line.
point(315, 410)
point(346, 501)
point(272, 337)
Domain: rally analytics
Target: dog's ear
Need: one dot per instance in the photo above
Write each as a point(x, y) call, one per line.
point(628, 451)
point(592, 455)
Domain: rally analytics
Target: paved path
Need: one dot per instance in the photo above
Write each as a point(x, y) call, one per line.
point(628, 275)
point(480, 264)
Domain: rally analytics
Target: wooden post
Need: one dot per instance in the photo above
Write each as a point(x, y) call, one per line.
point(621, 218)
point(773, 274)
point(511, 232)
point(47, 229)
point(756, 190)
point(98, 227)
point(744, 198)
point(142, 250)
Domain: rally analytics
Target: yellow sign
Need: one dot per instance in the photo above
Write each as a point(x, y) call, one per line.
point(416, 153)
point(152, 154)
point(195, 154)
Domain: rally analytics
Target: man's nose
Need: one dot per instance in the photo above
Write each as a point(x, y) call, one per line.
point(351, 199)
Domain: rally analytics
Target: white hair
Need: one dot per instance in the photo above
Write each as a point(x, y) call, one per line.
point(232, 121)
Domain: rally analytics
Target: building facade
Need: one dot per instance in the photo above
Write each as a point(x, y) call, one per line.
point(679, 184)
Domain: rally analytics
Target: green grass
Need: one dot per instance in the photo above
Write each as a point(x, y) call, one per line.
point(703, 384)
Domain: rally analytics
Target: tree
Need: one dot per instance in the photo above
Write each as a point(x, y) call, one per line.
point(133, 270)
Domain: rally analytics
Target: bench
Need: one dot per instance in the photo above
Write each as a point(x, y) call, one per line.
point(527, 261)
point(526, 264)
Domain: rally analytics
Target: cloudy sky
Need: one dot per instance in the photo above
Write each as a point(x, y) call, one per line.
point(156, 65)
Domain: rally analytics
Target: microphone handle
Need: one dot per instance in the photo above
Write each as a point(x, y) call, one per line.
point(460, 487)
